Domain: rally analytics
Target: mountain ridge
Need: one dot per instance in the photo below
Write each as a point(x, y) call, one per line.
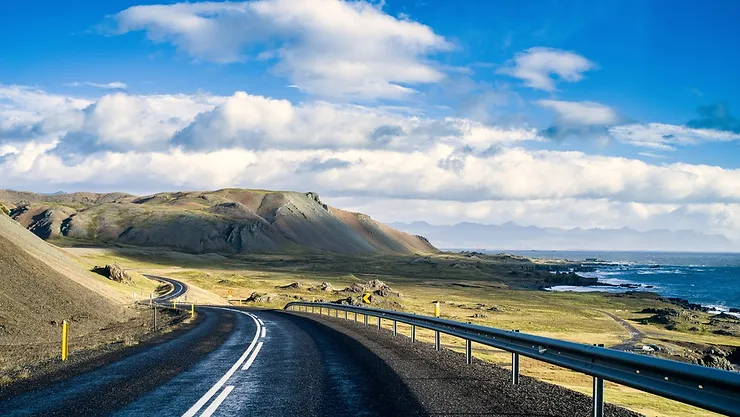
point(512, 236)
point(229, 220)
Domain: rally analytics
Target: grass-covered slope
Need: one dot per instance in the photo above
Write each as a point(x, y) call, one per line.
point(40, 286)
point(227, 221)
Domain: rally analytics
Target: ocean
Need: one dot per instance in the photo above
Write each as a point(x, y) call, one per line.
point(709, 279)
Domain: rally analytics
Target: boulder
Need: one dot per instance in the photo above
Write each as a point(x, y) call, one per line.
point(256, 297)
point(355, 288)
point(114, 273)
point(353, 301)
point(294, 286)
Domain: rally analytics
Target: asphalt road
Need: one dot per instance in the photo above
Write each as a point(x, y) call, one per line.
point(178, 288)
point(277, 363)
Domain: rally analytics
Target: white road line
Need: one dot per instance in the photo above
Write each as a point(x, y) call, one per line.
point(217, 402)
point(217, 386)
point(251, 358)
point(260, 320)
point(264, 330)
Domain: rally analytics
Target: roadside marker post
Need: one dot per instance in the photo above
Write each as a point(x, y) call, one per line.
point(436, 309)
point(192, 310)
point(151, 300)
point(174, 304)
point(65, 340)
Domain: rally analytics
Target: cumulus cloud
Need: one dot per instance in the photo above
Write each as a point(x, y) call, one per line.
point(538, 66)
point(581, 113)
point(257, 122)
point(151, 143)
point(325, 47)
point(115, 85)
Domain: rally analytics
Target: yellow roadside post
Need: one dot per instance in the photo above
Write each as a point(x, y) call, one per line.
point(436, 309)
point(192, 310)
point(65, 338)
point(174, 304)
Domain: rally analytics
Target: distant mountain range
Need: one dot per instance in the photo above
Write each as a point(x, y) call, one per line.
point(511, 236)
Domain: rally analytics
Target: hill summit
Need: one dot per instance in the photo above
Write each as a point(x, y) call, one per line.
point(228, 220)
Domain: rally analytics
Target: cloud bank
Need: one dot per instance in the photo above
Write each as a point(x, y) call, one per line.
point(360, 156)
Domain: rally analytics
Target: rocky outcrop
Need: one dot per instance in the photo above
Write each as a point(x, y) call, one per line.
point(114, 273)
point(716, 361)
point(293, 286)
point(325, 286)
point(569, 278)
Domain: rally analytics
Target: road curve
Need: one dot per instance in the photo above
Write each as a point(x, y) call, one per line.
point(238, 361)
point(178, 288)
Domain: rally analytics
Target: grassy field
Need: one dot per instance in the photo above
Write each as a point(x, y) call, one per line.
point(468, 295)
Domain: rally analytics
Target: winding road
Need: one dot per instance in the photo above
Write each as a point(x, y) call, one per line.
point(236, 361)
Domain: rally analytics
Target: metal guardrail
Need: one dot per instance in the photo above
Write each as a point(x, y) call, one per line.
point(711, 389)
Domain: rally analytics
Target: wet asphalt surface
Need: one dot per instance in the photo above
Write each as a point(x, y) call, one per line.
point(296, 364)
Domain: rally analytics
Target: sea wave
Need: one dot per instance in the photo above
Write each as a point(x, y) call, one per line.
point(659, 271)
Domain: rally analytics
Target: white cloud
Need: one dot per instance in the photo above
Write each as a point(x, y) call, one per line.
point(325, 47)
point(115, 85)
point(151, 143)
point(665, 137)
point(581, 113)
point(256, 122)
point(116, 121)
point(537, 66)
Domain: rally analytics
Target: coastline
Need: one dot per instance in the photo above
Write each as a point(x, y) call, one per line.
point(692, 286)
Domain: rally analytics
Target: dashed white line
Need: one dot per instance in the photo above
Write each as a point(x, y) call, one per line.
point(251, 358)
point(217, 386)
point(264, 330)
point(217, 402)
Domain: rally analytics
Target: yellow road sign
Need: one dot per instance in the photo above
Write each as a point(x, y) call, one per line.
point(366, 298)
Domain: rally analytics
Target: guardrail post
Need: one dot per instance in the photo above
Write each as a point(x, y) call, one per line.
point(413, 333)
point(515, 367)
point(313, 309)
point(345, 314)
point(598, 395)
point(379, 322)
point(365, 319)
point(336, 313)
point(355, 316)
point(395, 328)
point(437, 344)
point(468, 351)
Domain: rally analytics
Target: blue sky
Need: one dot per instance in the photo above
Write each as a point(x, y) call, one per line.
point(478, 89)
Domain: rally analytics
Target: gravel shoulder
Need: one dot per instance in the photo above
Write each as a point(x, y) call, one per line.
point(445, 385)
